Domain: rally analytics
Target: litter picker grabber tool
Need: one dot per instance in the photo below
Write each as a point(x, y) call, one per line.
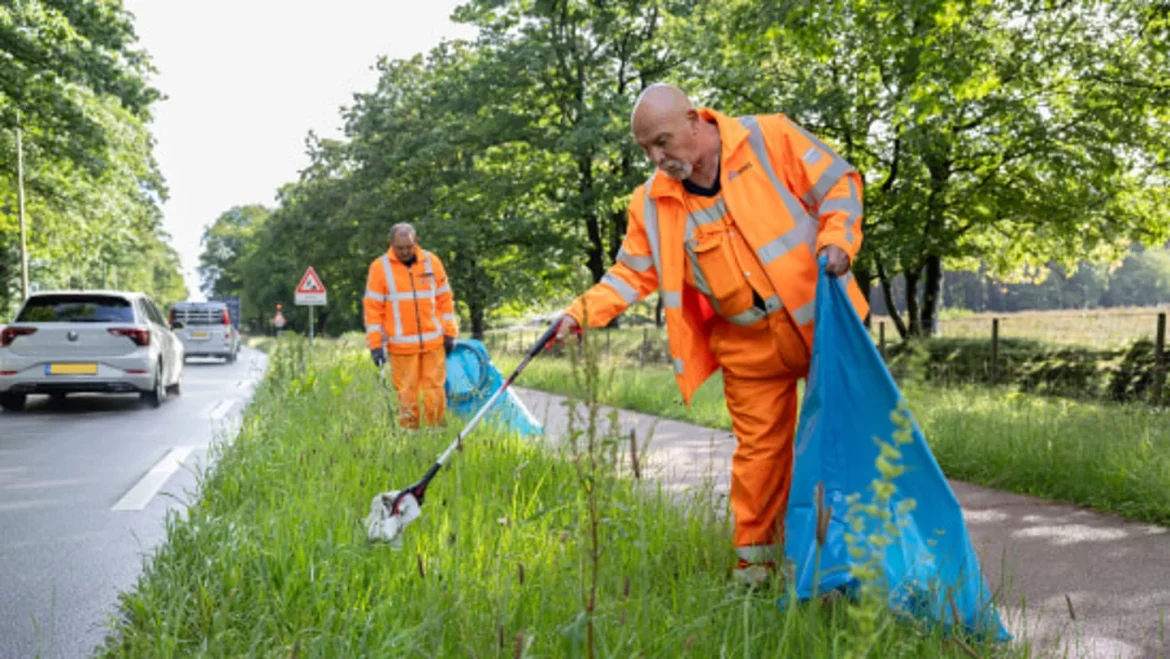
point(391, 511)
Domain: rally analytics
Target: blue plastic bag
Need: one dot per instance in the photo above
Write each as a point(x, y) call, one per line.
point(471, 381)
point(850, 401)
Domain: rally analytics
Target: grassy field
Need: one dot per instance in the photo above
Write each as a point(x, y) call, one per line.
point(522, 550)
point(1111, 457)
point(1097, 328)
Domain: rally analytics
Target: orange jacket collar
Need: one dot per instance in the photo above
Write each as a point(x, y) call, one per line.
point(731, 136)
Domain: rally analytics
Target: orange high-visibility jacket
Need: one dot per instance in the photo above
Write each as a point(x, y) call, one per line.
point(409, 309)
point(789, 194)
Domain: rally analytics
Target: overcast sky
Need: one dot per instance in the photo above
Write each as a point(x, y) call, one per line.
point(246, 80)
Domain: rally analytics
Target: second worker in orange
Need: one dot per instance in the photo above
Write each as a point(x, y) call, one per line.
point(410, 314)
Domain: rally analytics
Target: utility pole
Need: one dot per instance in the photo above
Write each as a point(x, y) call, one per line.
point(20, 211)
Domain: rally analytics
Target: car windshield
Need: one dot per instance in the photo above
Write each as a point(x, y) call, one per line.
point(76, 309)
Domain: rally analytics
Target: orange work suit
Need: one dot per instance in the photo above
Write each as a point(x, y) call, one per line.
point(737, 274)
point(408, 312)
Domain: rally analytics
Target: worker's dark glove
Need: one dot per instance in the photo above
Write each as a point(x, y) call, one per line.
point(379, 356)
point(448, 344)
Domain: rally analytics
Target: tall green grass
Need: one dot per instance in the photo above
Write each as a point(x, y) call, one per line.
point(521, 550)
point(1111, 457)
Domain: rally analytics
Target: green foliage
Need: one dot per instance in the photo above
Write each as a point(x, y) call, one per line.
point(510, 154)
point(228, 245)
point(64, 60)
point(1009, 134)
point(1136, 377)
point(1012, 132)
point(74, 77)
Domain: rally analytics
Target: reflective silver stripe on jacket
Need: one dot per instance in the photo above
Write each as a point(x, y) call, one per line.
point(635, 263)
point(434, 292)
point(392, 293)
point(804, 230)
point(628, 294)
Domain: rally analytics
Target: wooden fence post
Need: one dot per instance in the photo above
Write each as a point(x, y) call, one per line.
point(1159, 360)
point(994, 350)
point(642, 352)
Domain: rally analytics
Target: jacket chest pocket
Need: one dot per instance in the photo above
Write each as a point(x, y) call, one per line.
point(717, 267)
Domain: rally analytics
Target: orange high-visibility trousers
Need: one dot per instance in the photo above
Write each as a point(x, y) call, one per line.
point(761, 365)
point(419, 380)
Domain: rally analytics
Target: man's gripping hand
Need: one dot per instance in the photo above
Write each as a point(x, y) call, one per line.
point(838, 260)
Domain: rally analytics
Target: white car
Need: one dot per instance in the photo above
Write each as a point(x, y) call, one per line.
point(64, 342)
point(206, 330)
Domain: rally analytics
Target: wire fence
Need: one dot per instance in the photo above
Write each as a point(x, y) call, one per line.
point(1082, 352)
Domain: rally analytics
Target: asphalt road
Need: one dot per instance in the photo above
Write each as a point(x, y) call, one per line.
point(84, 491)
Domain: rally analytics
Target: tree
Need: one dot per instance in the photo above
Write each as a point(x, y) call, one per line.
point(1013, 132)
point(93, 188)
point(61, 57)
point(226, 243)
point(580, 64)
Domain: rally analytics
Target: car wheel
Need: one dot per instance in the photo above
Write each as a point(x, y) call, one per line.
point(12, 402)
point(155, 396)
point(177, 388)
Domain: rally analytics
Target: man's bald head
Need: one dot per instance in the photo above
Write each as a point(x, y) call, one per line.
point(667, 127)
point(658, 101)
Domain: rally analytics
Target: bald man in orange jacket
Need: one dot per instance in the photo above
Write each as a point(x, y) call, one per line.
point(728, 230)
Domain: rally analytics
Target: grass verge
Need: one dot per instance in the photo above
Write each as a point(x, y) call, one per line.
point(1111, 457)
point(522, 549)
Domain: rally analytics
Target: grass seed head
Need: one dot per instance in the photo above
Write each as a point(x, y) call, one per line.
point(519, 651)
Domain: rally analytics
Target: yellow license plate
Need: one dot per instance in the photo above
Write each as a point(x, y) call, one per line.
point(73, 369)
point(199, 335)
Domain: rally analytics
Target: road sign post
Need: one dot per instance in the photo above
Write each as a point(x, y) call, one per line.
point(278, 320)
point(311, 293)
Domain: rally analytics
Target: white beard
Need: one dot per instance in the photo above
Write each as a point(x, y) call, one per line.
point(677, 169)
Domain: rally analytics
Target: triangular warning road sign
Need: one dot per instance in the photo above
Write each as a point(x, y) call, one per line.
point(310, 283)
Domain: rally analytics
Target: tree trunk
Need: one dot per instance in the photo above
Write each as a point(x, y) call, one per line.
point(596, 249)
point(930, 294)
point(618, 219)
point(478, 318)
point(912, 277)
point(888, 296)
point(659, 310)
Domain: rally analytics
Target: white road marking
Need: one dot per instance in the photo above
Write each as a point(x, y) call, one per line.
point(220, 410)
point(149, 485)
